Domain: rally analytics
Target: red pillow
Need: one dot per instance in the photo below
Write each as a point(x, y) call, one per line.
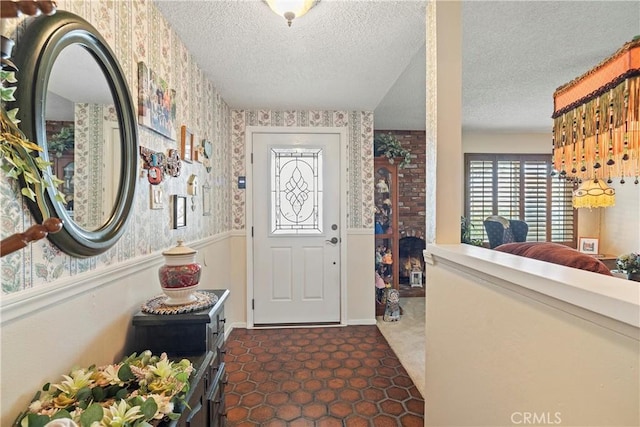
point(557, 254)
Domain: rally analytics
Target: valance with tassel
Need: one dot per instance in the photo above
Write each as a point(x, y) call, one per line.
point(596, 132)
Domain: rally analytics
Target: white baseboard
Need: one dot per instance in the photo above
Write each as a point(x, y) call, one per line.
point(239, 325)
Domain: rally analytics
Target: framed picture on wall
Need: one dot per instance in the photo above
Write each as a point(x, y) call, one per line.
point(588, 245)
point(156, 102)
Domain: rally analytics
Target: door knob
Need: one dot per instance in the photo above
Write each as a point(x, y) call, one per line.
point(333, 240)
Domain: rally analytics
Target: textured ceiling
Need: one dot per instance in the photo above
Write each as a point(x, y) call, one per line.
point(517, 53)
point(369, 55)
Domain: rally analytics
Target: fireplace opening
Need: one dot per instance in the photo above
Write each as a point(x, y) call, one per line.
point(411, 259)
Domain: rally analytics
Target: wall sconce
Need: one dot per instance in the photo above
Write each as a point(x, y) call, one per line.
point(290, 9)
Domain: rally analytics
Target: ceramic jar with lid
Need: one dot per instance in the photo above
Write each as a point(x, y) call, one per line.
point(180, 274)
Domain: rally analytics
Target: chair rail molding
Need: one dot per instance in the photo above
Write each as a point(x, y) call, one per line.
point(20, 304)
point(610, 302)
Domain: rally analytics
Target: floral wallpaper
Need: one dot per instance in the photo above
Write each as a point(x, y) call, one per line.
point(359, 124)
point(135, 31)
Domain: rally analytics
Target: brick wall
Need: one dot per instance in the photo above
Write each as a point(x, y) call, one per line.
point(411, 182)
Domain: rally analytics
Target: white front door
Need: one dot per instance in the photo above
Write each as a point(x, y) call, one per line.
point(296, 227)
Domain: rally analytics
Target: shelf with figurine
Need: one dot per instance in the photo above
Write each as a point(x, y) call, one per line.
point(386, 221)
point(384, 262)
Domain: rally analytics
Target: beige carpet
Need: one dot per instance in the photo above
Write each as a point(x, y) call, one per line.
point(406, 338)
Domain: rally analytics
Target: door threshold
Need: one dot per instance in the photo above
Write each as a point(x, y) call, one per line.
point(295, 325)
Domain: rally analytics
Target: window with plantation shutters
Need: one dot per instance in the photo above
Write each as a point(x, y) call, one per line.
point(519, 186)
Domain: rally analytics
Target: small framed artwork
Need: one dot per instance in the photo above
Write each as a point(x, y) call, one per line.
point(588, 245)
point(156, 196)
point(179, 211)
point(206, 200)
point(186, 146)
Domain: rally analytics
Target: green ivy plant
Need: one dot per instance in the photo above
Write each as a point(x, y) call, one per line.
point(18, 155)
point(62, 141)
point(387, 145)
point(465, 232)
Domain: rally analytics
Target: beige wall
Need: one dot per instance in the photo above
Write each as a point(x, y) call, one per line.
point(494, 352)
point(620, 225)
point(617, 227)
point(360, 278)
point(447, 86)
point(236, 309)
point(511, 143)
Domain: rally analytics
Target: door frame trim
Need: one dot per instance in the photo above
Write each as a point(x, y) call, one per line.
point(248, 143)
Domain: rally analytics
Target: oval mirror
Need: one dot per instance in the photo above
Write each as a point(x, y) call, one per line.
point(74, 103)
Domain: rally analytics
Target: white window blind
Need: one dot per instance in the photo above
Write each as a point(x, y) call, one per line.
point(519, 186)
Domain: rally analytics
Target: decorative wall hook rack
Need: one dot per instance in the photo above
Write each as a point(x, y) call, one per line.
point(33, 233)
point(158, 165)
point(14, 9)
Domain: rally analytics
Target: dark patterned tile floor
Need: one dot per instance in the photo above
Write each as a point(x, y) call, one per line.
point(318, 377)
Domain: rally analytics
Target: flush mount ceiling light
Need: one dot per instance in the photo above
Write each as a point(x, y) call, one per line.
point(290, 9)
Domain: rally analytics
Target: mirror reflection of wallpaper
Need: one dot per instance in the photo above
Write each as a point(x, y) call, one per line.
point(90, 174)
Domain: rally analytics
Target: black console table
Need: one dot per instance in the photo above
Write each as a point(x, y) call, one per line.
point(200, 337)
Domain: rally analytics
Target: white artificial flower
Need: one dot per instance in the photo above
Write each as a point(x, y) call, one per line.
point(61, 422)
